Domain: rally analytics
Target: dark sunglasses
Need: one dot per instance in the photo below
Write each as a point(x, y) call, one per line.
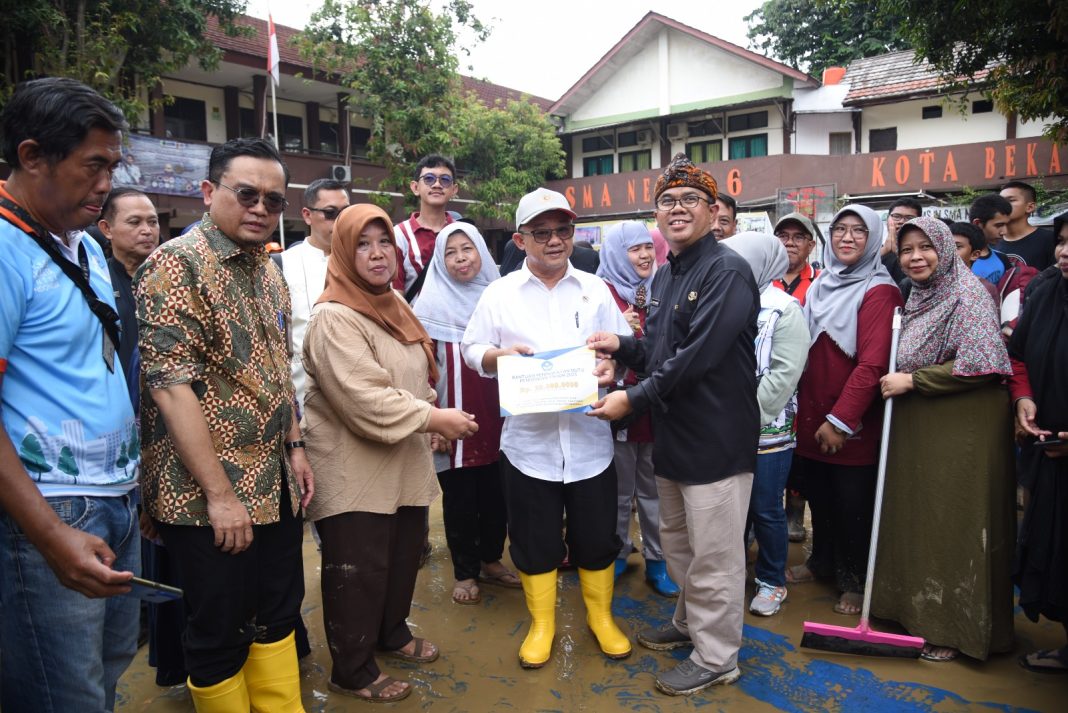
point(429, 179)
point(330, 212)
point(248, 197)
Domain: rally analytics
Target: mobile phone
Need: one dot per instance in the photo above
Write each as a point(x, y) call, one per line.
point(153, 592)
point(1050, 442)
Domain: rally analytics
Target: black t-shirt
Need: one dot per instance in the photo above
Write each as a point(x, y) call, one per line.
point(1034, 249)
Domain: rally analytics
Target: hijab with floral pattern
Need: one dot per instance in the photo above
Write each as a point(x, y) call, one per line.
point(949, 315)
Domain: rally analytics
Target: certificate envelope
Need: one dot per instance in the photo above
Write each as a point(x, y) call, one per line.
point(548, 382)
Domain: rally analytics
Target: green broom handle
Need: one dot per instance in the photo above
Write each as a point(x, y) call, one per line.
point(884, 446)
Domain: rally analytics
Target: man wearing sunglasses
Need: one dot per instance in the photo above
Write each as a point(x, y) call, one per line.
point(224, 473)
point(434, 183)
point(304, 264)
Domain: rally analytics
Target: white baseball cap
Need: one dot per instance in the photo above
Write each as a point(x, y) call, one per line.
point(540, 201)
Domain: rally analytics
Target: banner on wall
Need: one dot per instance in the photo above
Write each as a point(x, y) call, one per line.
point(162, 165)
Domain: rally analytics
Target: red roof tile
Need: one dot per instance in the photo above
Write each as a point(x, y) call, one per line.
point(894, 75)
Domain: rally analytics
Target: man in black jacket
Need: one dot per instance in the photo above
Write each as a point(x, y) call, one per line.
point(701, 388)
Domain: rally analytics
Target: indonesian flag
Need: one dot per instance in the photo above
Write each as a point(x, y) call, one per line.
point(272, 50)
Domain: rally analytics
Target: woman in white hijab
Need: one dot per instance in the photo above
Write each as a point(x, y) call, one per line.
point(781, 350)
point(472, 499)
point(850, 308)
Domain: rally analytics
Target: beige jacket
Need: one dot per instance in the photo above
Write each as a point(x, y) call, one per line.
point(366, 410)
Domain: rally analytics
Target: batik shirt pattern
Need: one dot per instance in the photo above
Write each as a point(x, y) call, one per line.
point(214, 316)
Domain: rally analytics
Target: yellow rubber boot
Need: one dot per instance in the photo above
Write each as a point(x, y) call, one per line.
point(273, 678)
point(229, 696)
point(597, 593)
point(540, 591)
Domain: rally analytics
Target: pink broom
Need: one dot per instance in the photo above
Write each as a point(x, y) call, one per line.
point(862, 640)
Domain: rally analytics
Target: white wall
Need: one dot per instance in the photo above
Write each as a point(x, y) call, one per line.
point(701, 72)
point(633, 87)
point(214, 106)
point(915, 132)
point(695, 72)
point(812, 131)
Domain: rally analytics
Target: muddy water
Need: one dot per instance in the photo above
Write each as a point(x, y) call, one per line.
point(479, 670)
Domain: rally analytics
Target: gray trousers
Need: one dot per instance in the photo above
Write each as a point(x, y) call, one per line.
point(635, 480)
point(701, 527)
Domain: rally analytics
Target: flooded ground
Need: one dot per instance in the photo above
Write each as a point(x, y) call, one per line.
point(479, 670)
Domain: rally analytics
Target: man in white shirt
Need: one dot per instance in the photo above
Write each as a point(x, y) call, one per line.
point(304, 264)
point(553, 463)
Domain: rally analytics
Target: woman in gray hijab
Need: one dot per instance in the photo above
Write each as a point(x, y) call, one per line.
point(781, 350)
point(849, 309)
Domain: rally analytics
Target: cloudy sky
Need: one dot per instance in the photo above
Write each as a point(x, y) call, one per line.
point(543, 47)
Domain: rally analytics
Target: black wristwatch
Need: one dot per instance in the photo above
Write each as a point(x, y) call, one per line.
point(290, 445)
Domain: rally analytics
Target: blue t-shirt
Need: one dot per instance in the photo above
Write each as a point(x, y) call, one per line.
point(990, 268)
point(69, 417)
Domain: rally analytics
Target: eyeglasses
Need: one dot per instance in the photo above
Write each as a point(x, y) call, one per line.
point(901, 217)
point(690, 200)
point(248, 197)
point(544, 235)
point(429, 179)
point(857, 231)
point(330, 212)
point(785, 237)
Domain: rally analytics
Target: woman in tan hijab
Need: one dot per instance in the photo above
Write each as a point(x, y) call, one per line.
point(369, 421)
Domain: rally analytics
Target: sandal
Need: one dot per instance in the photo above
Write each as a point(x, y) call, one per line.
point(503, 578)
point(849, 604)
point(799, 574)
point(465, 591)
point(418, 654)
point(1031, 661)
point(375, 691)
point(938, 654)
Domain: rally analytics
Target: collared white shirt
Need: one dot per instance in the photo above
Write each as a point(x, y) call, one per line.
point(304, 267)
point(520, 309)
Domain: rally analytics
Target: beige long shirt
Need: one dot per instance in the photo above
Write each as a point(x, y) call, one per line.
point(366, 411)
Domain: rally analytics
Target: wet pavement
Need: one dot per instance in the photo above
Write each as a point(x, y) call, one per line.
point(479, 671)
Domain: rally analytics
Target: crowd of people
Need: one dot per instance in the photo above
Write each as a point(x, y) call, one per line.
point(355, 382)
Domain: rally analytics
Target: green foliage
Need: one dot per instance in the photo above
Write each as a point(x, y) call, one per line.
point(67, 464)
point(121, 48)
point(1027, 37)
point(812, 35)
point(505, 152)
point(400, 60)
point(32, 456)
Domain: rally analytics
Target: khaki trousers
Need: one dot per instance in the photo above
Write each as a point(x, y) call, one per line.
point(701, 531)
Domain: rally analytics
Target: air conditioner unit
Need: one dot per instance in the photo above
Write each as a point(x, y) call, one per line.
point(676, 131)
point(341, 173)
point(645, 137)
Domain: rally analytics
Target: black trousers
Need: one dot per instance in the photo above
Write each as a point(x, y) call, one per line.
point(475, 517)
point(370, 562)
point(235, 600)
point(842, 499)
point(536, 511)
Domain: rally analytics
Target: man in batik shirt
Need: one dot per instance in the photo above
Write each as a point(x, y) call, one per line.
point(224, 473)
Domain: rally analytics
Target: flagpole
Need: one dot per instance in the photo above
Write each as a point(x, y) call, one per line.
point(273, 60)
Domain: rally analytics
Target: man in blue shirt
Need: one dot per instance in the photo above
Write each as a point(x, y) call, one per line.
point(69, 446)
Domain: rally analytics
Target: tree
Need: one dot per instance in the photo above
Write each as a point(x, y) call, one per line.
point(1026, 39)
point(118, 47)
point(399, 57)
point(32, 456)
point(812, 35)
point(505, 151)
point(67, 463)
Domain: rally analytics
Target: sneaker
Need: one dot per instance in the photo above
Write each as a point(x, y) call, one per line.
point(768, 599)
point(688, 678)
point(665, 638)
